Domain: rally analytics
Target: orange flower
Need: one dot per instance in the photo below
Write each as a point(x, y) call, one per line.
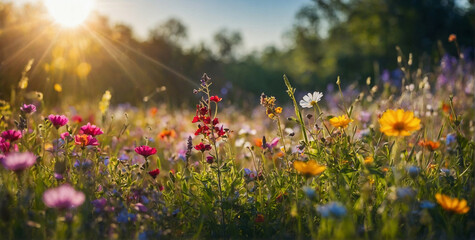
point(398, 122)
point(167, 134)
point(446, 108)
point(309, 168)
point(432, 146)
point(368, 160)
point(340, 121)
point(153, 111)
point(452, 37)
point(258, 142)
point(454, 205)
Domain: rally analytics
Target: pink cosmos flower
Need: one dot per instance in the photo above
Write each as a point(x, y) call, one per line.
point(85, 140)
point(145, 151)
point(92, 130)
point(11, 135)
point(63, 197)
point(28, 108)
point(58, 120)
point(19, 161)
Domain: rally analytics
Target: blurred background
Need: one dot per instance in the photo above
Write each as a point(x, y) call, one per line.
point(157, 50)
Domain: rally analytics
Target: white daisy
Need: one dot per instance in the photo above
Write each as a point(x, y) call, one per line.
point(311, 100)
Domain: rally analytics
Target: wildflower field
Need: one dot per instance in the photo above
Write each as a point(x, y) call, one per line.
point(393, 159)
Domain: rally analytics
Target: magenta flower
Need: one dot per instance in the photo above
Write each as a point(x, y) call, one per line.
point(19, 161)
point(65, 136)
point(92, 130)
point(28, 108)
point(63, 197)
point(11, 135)
point(145, 151)
point(85, 140)
point(58, 120)
point(4, 145)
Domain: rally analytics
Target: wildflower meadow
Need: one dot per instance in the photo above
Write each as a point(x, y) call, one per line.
point(385, 162)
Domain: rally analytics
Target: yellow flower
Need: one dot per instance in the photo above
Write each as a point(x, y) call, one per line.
point(368, 160)
point(58, 88)
point(452, 204)
point(278, 110)
point(340, 121)
point(309, 168)
point(399, 123)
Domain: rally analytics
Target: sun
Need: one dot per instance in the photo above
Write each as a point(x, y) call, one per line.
point(69, 13)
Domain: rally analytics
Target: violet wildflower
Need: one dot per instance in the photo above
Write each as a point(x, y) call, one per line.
point(28, 108)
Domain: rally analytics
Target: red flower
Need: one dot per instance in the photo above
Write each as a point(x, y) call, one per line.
point(202, 147)
point(195, 119)
point(77, 119)
point(259, 218)
point(11, 135)
point(215, 99)
point(209, 159)
point(154, 173)
point(92, 130)
point(202, 130)
point(145, 150)
point(215, 121)
point(85, 140)
point(220, 131)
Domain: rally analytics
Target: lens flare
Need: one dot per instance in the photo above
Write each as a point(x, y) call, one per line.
point(69, 13)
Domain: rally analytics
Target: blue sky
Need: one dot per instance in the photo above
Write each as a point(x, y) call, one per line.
point(261, 22)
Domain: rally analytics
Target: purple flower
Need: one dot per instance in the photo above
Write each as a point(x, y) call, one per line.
point(364, 117)
point(92, 130)
point(273, 143)
point(19, 161)
point(99, 204)
point(63, 197)
point(11, 135)
point(140, 207)
point(58, 176)
point(58, 120)
point(28, 108)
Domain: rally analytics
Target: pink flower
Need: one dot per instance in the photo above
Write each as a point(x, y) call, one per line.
point(19, 161)
point(11, 135)
point(273, 143)
point(58, 120)
point(92, 130)
point(4, 145)
point(154, 173)
point(145, 150)
point(65, 135)
point(28, 108)
point(63, 197)
point(84, 140)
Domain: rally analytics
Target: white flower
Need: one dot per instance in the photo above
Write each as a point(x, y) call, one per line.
point(310, 100)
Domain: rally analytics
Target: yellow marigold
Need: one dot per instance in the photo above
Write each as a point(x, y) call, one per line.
point(309, 168)
point(399, 122)
point(340, 121)
point(455, 205)
point(368, 160)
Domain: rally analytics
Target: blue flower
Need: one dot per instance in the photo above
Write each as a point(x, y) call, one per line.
point(310, 192)
point(413, 171)
point(450, 139)
point(427, 204)
point(405, 193)
point(332, 209)
point(123, 157)
point(124, 216)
